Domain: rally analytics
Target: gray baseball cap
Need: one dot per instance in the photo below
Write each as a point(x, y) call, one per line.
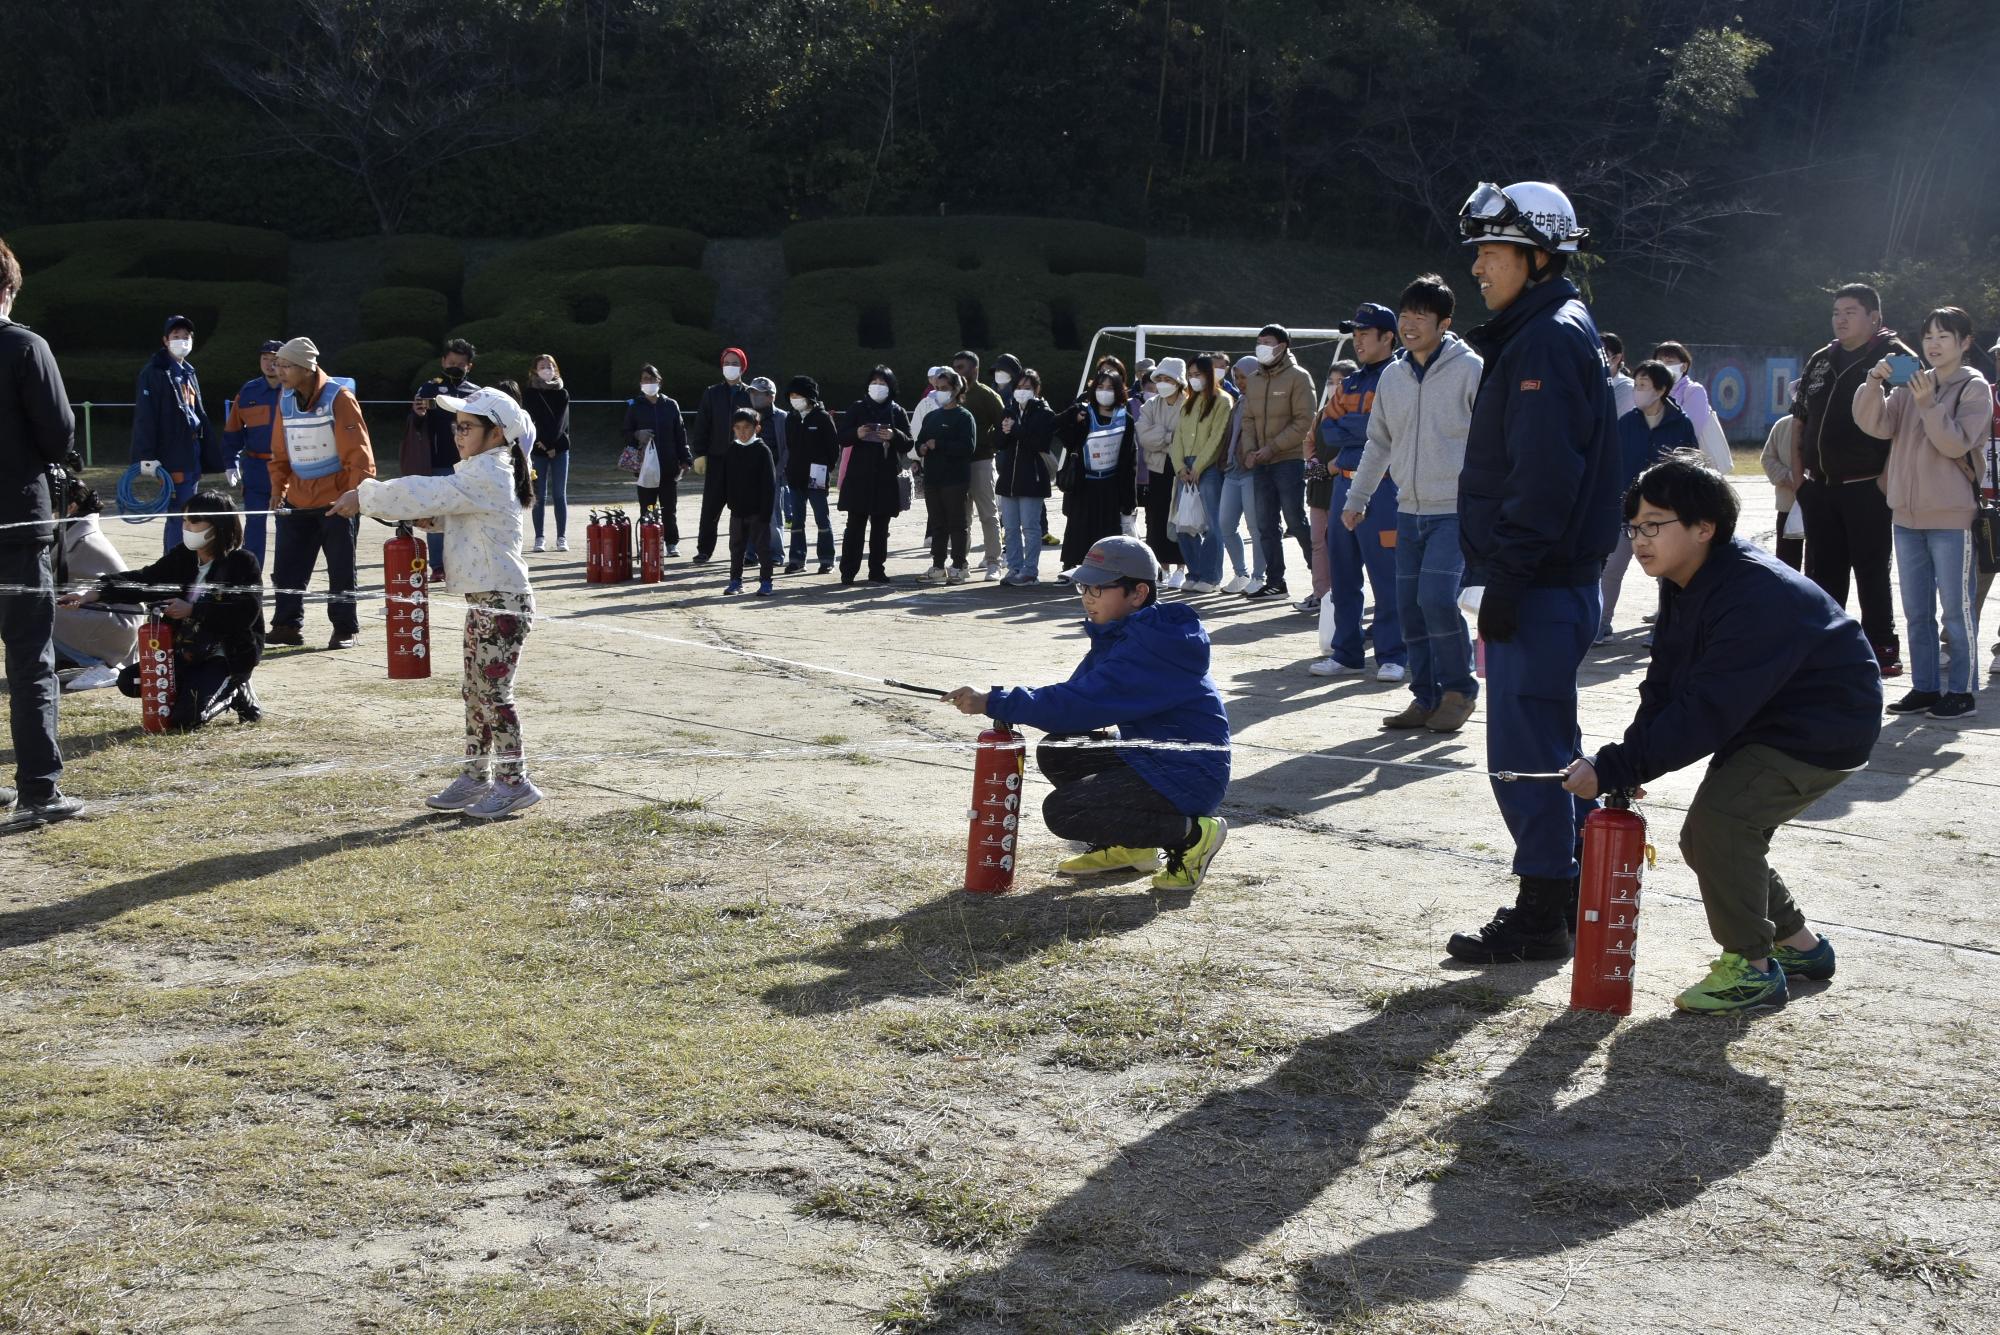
point(1116, 558)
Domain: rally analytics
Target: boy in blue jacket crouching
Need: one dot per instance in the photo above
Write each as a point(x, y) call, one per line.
point(1755, 666)
point(1146, 677)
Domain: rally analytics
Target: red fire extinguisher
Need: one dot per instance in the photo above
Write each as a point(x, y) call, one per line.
point(156, 672)
point(622, 554)
point(406, 581)
point(1607, 908)
point(652, 550)
point(993, 847)
point(593, 566)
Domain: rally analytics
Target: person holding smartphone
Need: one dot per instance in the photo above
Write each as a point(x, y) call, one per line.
point(873, 449)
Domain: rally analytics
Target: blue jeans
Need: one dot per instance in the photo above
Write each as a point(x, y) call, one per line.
point(183, 492)
point(1281, 505)
point(1370, 549)
point(1239, 502)
point(1531, 725)
point(552, 483)
point(1021, 528)
point(1430, 570)
point(795, 513)
point(1934, 566)
point(1203, 555)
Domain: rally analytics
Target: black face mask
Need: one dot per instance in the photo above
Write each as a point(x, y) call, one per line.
point(454, 375)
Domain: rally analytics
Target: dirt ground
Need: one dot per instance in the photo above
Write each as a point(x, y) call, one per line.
point(1079, 1107)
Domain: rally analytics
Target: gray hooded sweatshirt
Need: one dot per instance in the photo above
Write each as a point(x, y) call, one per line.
point(1416, 432)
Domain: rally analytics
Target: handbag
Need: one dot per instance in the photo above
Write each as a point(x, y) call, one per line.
point(905, 492)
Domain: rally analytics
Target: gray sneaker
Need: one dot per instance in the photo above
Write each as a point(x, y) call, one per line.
point(503, 798)
point(463, 792)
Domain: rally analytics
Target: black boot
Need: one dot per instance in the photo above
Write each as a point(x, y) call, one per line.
point(1536, 926)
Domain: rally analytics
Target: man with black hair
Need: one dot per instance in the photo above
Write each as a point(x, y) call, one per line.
point(712, 439)
point(1145, 679)
point(1280, 403)
point(36, 428)
point(985, 405)
point(1538, 513)
point(246, 443)
point(1754, 665)
point(454, 377)
point(1848, 528)
point(1367, 545)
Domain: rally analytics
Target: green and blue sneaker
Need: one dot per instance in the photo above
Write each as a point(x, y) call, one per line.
point(1816, 964)
point(1732, 985)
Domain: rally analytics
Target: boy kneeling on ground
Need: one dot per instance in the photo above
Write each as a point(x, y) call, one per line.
point(1146, 677)
point(1753, 664)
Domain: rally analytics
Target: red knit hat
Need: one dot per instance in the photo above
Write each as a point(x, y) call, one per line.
point(737, 353)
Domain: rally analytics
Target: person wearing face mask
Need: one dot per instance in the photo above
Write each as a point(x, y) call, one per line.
point(1025, 469)
point(319, 450)
point(1153, 432)
point(1654, 429)
point(1937, 425)
point(1692, 396)
point(814, 446)
point(547, 400)
point(712, 439)
point(1239, 492)
point(874, 447)
point(98, 641)
point(434, 429)
point(949, 436)
point(1279, 405)
point(775, 429)
point(246, 443)
point(653, 418)
point(1195, 455)
point(1099, 475)
point(213, 592)
point(481, 509)
point(171, 430)
point(978, 398)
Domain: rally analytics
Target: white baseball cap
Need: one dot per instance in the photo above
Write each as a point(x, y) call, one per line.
point(495, 407)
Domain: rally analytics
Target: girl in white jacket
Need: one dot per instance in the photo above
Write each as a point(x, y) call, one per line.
point(480, 506)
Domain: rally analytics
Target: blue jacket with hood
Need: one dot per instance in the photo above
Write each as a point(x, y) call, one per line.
point(1146, 676)
point(169, 421)
point(1641, 444)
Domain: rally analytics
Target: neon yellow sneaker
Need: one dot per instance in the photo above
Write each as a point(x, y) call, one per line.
point(1732, 985)
point(1100, 860)
point(1185, 867)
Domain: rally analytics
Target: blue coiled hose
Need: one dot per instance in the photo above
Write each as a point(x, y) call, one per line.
point(135, 511)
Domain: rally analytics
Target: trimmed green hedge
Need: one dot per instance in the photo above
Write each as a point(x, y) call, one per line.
point(99, 292)
point(618, 246)
point(969, 244)
point(384, 368)
point(418, 259)
point(414, 312)
point(910, 292)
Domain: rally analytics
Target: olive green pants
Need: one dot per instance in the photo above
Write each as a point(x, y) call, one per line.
point(1726, 839)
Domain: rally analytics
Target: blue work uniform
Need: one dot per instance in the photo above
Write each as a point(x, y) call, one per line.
point(1371, 547)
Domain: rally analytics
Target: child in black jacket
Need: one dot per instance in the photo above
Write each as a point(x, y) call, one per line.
point(749, 488)
point(213, 592)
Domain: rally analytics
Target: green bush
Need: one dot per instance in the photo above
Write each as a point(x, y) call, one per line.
point(909, 292)
point(413, 312)
point(623, 247)
point(418, 259)
point(384, 368)
point(152, 248)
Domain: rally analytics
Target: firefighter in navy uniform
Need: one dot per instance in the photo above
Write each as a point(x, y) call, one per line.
point(1538, 515)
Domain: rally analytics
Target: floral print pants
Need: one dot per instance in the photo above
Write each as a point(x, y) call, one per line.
point(496, 626)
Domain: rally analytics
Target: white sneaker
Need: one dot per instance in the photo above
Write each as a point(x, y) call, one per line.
point(539, 546)
point(1306, 604)
point(957, 575)
point(504, 797)
point(562, 544)
point(674, 550)
point(935, 575)
point(989, 572)
point(1333, 667)
point(92, 678)
point(1391, 672)
point(1237, 585)
point(1198, 586)
point(463, 792)
point(1175, 579)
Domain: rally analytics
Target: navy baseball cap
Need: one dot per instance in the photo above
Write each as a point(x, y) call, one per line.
point(178, 322)
point(1370, 315)
point(270, 345)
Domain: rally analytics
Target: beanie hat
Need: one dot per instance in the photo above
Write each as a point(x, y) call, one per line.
point(804, 386)
point(741, 360)
point(1009, 363)
point(300, 352)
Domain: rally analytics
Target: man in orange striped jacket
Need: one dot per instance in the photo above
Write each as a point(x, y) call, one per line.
point(246, 443)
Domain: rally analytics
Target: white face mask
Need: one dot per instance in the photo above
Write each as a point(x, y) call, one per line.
point(1024, 395)
point(180, 347)
point(1105, 398)
point(547, 373)
point(879, 393)
point(194, 539)
point(732, 373)
point(1645, 398)
point(1676, 370)
point(1196, 384)
point(1003, 378)
point(649, 388)
point(1266, 354)
point(799, 405)
point(1166, 389)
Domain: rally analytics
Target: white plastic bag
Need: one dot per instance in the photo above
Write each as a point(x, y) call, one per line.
point(1190, 516)
point(1795, 522)
point(649, 467)
point(1129, 525)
